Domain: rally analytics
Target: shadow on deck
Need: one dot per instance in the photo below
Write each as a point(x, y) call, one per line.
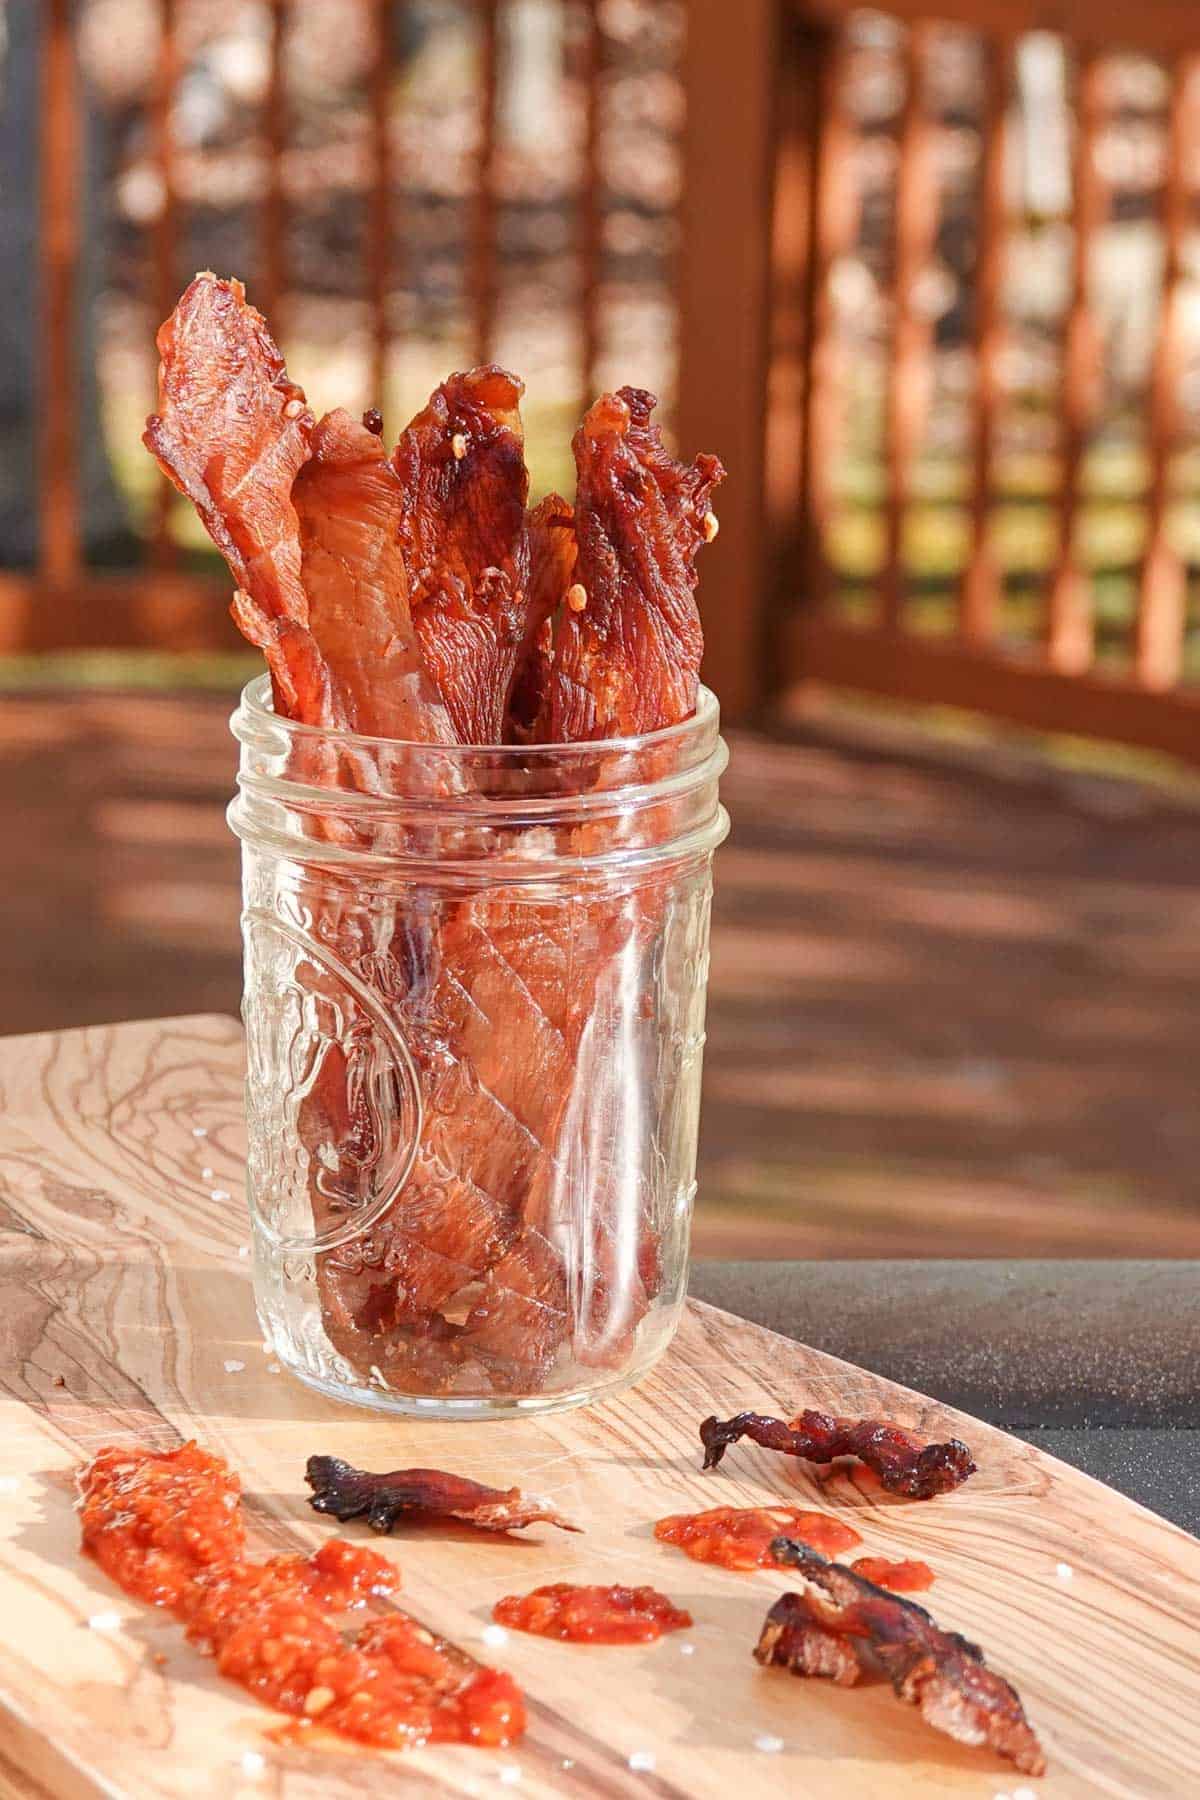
point(954, 1000)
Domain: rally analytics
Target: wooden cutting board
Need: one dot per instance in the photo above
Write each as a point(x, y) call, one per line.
point(126, 1314)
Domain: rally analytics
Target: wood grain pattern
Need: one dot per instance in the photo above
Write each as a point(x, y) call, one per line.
point(121, 1277)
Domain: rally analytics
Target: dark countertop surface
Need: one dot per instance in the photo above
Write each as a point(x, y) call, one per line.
point(1096, 1362)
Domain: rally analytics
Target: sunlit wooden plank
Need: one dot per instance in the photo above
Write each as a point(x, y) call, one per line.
point(165, 234)
point(591, 210)
point(58, 470)
point(380, 264)
point(484, 213)
point(910, 367)
point(979, 599)
point(836, 206)
point(1070, 626)
point(274, 213)
point(1162, 590)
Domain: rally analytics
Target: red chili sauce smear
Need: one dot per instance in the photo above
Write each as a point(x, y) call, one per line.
point(740, 1537)
point(901, 1577)
point(168, 1528)
point(592, 1615)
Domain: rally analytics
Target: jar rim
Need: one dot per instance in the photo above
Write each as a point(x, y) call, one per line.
point(255, 702)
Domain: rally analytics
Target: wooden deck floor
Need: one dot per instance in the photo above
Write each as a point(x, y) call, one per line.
point(954, 1004)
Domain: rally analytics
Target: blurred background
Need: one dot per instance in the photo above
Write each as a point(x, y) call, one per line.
point(931, 287)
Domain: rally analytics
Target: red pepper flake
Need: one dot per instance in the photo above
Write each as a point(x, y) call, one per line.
point(167, 1527)
point(903, 1577)
point(741, 1537)
point(592, 1615)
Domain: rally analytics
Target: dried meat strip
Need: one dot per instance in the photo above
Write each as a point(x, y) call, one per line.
point(904, 1464)
point(844, 1627)
point(385, 1499)
point(348, 501)
point(232, 433)
point(628, 643)
point(461, 469)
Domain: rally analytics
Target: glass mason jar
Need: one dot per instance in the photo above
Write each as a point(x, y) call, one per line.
point(474, 1009)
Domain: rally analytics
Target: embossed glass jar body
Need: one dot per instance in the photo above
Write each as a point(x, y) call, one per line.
point(474, 1007)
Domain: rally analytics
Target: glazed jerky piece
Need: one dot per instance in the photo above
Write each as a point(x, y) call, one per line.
point(348, 503)
point(550, 554)
point(844, 1627)
point(461, 471)
point(383, 1500)
point(232, 433)
point(627, 652)
point(902, 1462)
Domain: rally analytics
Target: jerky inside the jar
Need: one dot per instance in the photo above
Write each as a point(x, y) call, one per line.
point(384, 1500)
point(845, 1628)
point(415, 595)
point(903, 1462)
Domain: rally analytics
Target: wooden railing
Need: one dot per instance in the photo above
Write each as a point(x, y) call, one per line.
point(771, 212)
point(777, 604)
point(64, 603)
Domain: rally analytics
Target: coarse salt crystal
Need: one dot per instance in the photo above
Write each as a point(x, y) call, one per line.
point(243, 1251)
point(104, 1621)
point(207, 1174)
point(495, 1635)
point(233, 1367)
point(199, 1130)
point(510, 1775)
point(253, 1762)
point(1064, 1571)
point(643, 1762)
point(219, 1194)
point(568, 1762)
point(687, 1649)
point(768, 1743)
point(1023, 1793)
point(274, 1369)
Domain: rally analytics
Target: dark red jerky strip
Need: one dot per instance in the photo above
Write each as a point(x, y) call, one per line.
point(902, 1462)
point(843, 1627)
point(384, 1499)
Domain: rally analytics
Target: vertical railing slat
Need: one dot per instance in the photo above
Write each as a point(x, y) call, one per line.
point(591, 210)
point(979, 599)
point(165, 235)
point(58, 470)
point(1162, 589)
point(1070, 625)
point(484, 213)
point(380, 267)
point(836, 207)
point(909, 368)
point(274, 213)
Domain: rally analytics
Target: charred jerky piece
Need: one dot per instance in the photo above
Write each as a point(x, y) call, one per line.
point(461, 469)
point(902, 1462)
point(844, 1627)
point(348, 502)
point(550, 554)
point(232, 432)
point(350, 1493)
point(628, 643)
